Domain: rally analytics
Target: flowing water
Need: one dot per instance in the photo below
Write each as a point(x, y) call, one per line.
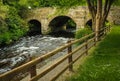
point(26, 47)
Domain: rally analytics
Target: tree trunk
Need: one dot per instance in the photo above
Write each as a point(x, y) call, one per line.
point(93, 23)
point(98, 19)
point(97, 27)
point(99, 13)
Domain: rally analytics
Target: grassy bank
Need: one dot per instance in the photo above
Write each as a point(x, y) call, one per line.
point(104, 63)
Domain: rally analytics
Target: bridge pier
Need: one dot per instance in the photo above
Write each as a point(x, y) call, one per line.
point(45, 28)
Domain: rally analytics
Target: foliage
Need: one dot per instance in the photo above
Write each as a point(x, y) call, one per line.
point(104, 62)
point(3, 10)
point(15, 27)
point(71, 24)
point(22, 10)
point(10, 2)
point(3, 26)
point(51, 3)
point(81, 33)
point(48, 3)
point(60, 3)
point(116, 3)
point(12, 27)
point(15, 24)
point(5, 38)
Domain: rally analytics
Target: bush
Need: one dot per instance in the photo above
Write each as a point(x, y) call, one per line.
point(5, 38)
point(14, 29)
point(51, 3)
point(82, 32)
point(15, 24)
point(3, 26)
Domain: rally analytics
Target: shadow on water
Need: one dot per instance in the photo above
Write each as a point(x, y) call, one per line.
point(62, 33)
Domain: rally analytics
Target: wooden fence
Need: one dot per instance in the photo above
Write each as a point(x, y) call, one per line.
point(86, 40)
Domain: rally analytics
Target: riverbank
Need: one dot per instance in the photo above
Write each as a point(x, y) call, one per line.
point(103, 64)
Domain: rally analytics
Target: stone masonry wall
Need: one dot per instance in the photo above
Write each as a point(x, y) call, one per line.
point(80, 15)
point(114, 15)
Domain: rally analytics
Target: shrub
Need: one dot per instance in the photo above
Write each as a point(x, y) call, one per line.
point(16, 25)
point(5, 38)
point(3, 26)
point(14, 29)
point(82, 32)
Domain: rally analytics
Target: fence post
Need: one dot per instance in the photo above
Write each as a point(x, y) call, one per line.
point(94, 40)
point(86, 46)
point(109, 29)
point(97, 37)
point(33, 69)
point(70, 59)
point(105, 31)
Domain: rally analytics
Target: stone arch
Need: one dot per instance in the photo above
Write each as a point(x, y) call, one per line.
point(62, 25)
point(34, 27)
point(89, 24)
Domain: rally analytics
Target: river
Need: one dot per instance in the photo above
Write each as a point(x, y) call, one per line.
point(21, 51)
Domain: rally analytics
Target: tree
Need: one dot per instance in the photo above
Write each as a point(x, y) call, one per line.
point(99, 10)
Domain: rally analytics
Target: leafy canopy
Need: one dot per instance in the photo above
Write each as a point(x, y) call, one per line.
point(45, 3)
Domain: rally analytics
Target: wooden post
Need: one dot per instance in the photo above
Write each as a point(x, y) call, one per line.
point(86, 46)
point(97, 37)
point(105, 31)
point(70, 59)
point(94, 40)
point(109, 28)
point(33, 69)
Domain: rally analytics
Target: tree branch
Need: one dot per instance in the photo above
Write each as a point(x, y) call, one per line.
point(91, 8)
point(99, 8)
point(108, 4)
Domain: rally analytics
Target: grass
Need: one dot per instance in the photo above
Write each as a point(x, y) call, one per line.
point(104, 63)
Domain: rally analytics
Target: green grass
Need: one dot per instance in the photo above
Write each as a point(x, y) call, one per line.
point(104, 63)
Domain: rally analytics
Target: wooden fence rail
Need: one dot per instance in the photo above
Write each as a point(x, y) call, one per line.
point(32, 64)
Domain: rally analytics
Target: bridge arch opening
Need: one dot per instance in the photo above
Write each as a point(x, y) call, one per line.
point(34, 27)
point(62, 26)
point(89, 24)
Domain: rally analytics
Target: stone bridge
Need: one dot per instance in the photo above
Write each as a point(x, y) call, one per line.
point(49, 17)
